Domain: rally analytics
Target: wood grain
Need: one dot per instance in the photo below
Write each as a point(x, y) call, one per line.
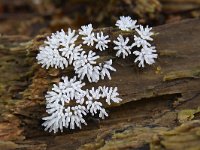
point(153, 97)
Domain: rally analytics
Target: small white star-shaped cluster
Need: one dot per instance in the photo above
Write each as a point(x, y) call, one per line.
point(89, 37)
point(147, 53)
point(62, 115)
point(122, 46)
point(126, 23)
point(102, 41)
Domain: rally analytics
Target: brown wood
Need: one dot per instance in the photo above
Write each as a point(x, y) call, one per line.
point(156, 99)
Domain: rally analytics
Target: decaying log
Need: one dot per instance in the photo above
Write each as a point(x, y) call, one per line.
point(178, 6)
point(156, 99)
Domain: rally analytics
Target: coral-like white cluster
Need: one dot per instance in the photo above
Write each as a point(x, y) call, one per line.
point(88, 36)
point(139, 42)
point(69, 102)
point(145, 33)
point(147, 53)
point(122, 46)
point(59, 50)
point(84, 66)
point(49, 57)
point(102, 41)
point(126, 23)
point(60, 98)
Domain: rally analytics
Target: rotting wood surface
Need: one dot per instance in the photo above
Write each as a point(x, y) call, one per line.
point(156, 99)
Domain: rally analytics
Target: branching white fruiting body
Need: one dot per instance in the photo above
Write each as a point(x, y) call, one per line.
point(58, 101)
point(122, 47)
point(147, 53)
point(68, 102)
point(102, 41)
point(126, 23)
point(59, 50)
point(88, 36)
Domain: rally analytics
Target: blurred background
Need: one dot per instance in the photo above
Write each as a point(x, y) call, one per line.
point(32, 17)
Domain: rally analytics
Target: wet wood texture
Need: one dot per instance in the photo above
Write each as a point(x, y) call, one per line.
point(160, 102)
